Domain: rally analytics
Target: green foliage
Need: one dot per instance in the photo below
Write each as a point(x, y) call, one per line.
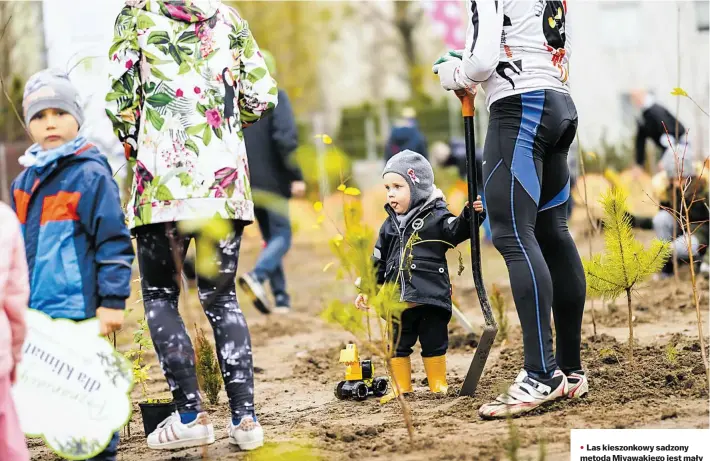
point(500, 310)
point(283, 452)
point(625, 262)
point(141, 345)
point(11, 129)
point(207, 366)
point(616, 157)
point(211, 232)
point(337, 166)
point(671, 354)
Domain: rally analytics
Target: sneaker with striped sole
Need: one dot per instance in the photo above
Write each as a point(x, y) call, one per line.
point(172, 434)
point(526, 394)
point(578, 385)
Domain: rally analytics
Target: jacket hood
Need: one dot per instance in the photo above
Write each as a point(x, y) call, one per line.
point(190, 11)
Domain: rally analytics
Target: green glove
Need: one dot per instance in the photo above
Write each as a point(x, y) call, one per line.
point(449, 56)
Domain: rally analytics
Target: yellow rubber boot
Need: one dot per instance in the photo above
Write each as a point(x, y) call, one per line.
point(436, 373)
point(402, 374)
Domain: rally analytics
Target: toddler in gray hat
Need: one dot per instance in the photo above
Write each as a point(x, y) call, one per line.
point(411, 252)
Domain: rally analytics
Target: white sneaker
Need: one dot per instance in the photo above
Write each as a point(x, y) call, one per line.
point(525, 394)
point(172, 433)
point(248, 435)
point(578, 385)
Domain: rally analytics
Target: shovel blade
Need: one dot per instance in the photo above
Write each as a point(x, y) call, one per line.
point(479, 361)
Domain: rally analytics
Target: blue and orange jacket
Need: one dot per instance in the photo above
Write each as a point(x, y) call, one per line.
point(79, 250)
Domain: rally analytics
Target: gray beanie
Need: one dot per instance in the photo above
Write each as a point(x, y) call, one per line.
point(416, 170)
point(51, 89)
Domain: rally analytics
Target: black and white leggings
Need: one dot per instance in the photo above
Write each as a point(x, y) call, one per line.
point(161, 250)
point(526, 190)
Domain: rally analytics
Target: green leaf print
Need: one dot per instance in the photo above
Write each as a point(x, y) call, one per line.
point(256, 74)
point(149, 87)
point(195, 130)
point(157, 73)
point(189, 37)
point(201, 108)
point(249, 48)
point(163, 193)
point(173, 51)
point(184, 68)
point(218, 132)
point(207, 135)
point(190, 144)
point(115, 47)
point(229, 210)
point(273, 90)
point(146, 213)
point(144, 22)
point(158, 37)
point(247, 189)
point(160, 99)
point(185, 179)
point(153, 59)
point(155, 119)
point(113, 96)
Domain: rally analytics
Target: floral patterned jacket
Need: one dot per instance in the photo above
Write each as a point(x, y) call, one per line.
point(186, 77)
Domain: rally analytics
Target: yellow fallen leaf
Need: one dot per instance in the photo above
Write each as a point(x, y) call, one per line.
point(679, 92)
point(342, 187)
point(352, 191)
point(328, 266)
point(318, 206)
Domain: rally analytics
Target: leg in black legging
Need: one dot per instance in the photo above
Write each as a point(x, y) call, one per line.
point(513, 168)
point(561, 256)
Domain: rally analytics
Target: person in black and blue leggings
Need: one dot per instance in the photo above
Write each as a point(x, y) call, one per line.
point(519, 51)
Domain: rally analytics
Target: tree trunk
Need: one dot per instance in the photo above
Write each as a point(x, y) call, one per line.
point(631, 326)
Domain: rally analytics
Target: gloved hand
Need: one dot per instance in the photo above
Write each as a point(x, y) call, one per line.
point(451, 55)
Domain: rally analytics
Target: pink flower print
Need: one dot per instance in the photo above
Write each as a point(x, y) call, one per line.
point(198, 90)
point(115, 56)
point(129, 64)
point(143, 177)
point(179, 93)
point(218, 77)
point(177, 12)
point(214, 118)
point(224, 178)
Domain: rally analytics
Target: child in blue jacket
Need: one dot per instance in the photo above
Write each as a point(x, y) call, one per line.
point(79, 250)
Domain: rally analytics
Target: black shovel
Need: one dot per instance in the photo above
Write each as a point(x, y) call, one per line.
point(491, 330)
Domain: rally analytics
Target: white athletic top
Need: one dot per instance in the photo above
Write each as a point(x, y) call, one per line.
point(516, 46)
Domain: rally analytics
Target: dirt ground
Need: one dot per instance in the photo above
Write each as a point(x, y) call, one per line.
point(296, 360)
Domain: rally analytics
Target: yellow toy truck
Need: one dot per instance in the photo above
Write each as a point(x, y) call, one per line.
point(359, 381)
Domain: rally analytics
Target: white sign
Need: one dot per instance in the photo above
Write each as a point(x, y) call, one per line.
point(72, 387)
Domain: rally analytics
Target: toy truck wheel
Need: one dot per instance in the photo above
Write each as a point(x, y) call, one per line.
point(359, 391)
point(339, 391)
point(379, 387)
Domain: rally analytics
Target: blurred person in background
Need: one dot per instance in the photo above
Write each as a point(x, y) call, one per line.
point(405, 135)
point(651, 120)
point(275, 177)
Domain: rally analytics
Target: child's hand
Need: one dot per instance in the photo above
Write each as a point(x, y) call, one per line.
point(109, 319)
point(361, 302)
point(478, 205)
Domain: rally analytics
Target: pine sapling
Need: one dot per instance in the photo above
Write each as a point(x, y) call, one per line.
point(209, 375)
point(141, 345)
point(625, 261)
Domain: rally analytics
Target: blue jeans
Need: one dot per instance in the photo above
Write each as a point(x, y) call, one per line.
point(276, 230)
point(109, 454)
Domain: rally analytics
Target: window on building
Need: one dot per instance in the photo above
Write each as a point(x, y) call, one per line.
point(702, 16)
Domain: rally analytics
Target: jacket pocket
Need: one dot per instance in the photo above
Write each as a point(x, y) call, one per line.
point(429, 279)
